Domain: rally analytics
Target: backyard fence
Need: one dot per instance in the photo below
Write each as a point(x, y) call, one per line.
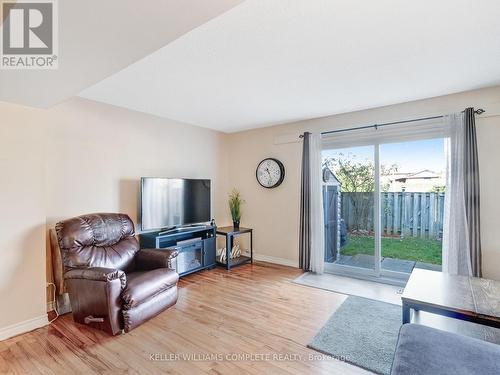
point(403, 213)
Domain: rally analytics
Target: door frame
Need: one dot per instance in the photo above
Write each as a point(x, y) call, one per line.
point(377, 273)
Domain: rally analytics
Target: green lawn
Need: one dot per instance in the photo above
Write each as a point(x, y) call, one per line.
point(417, 249)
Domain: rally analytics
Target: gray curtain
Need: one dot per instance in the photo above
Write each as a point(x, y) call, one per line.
point(471, 186)
point(305, 208)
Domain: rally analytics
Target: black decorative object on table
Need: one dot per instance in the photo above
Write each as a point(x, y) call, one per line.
point(229, 233)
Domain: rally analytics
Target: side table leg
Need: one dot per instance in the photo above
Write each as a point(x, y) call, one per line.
point(406, 313)
point(228, 251)
point(251, 247)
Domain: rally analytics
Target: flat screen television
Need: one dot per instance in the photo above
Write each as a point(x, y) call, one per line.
point(172, 202)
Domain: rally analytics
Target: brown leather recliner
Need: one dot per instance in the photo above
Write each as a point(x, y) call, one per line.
point(112, 283)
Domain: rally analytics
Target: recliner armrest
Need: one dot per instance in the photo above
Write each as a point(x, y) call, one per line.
point(97, 274)
point(150, 259)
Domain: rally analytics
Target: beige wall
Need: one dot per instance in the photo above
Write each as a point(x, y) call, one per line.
point(22, 207)
point(97, 153)
point(275, 213)
point(489, 163)
point(80, 157)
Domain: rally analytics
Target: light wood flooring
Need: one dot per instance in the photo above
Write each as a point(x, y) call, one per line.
point(253, 309)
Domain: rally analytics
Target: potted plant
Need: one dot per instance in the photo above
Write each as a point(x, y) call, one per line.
point(235, 202)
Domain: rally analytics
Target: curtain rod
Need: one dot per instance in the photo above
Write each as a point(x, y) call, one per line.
point(376, 126)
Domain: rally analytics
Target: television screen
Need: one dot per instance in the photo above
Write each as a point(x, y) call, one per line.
point(168, 202)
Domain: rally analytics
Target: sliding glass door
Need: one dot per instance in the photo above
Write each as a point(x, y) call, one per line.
point(384, 207)
point(413, 184)
point(349, 177)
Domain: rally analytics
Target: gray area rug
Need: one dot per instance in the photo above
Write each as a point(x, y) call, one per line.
point(363, 331)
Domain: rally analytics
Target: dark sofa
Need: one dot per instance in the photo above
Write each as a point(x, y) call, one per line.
point(427, 351)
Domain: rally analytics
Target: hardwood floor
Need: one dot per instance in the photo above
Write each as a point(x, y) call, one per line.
point(253, 309)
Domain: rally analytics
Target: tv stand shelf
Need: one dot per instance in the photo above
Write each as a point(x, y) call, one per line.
point(197, 247)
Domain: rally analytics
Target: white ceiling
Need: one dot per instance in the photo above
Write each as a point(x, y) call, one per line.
point(273, 61)
point(98, 38)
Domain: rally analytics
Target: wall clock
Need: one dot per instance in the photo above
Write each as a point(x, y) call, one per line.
point(270, 173)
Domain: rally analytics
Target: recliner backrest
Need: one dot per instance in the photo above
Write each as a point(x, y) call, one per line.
point(98, 240)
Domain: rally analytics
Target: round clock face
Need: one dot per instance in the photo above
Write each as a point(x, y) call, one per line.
point(270, 173)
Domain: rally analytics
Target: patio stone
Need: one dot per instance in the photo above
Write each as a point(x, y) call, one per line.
point(398, 265)
point(428, 266)
point(368, 261)
point(358, 260)
point(344, 259)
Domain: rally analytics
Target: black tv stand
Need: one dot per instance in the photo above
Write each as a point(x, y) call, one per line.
point(182, 228)
point(167, 230)
point(196, 244)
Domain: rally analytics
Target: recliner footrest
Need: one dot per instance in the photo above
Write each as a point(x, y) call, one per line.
point(143, 285)
point(146, 310)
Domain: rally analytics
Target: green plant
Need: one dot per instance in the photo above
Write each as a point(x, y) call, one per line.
point(438, 189)
point(235, 202)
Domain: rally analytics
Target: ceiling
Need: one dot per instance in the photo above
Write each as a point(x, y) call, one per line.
point(231, 65)
point(98, 38)
point(272, 61)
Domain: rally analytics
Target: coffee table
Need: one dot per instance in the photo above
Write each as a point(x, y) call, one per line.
point(467, 298)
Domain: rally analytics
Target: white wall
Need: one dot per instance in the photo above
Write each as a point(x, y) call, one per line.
point(81, 157)
point(274, 213)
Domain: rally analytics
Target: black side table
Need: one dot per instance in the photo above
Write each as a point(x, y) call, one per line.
point(230, 233)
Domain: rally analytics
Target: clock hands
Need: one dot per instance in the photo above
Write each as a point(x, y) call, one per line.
point(269, 173)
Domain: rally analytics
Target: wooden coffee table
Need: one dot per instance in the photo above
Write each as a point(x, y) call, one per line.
point(467, 298)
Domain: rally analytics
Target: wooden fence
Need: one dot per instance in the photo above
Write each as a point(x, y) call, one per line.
point(403, 213)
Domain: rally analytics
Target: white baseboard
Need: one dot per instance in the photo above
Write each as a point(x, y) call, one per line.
point(23, 327)
point(275, 260)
